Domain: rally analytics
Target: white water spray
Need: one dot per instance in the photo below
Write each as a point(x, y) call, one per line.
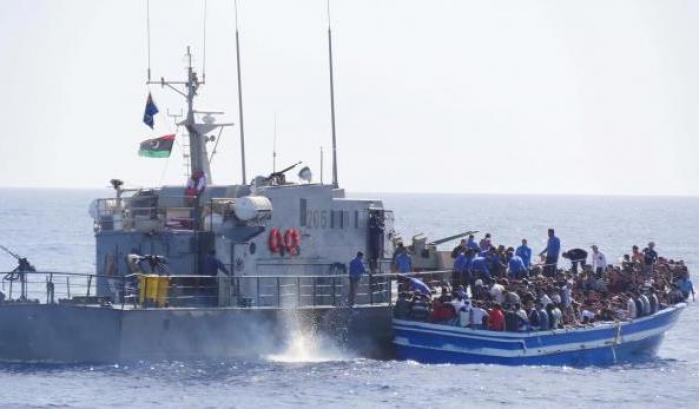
point(308, 345)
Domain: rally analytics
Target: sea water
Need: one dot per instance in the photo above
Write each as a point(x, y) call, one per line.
point(52, 227)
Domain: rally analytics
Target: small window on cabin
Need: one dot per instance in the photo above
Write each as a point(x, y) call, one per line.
point(302, 212)
point(332, 219)
point(342, 219)
point(356, 219)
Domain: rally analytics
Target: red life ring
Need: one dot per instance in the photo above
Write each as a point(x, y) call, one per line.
point(275, 241)
point(292, 241)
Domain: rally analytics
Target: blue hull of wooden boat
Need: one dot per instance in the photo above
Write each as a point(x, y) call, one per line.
point(601, 344)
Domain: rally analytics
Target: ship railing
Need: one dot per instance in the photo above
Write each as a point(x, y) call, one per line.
point(148, 213)
point(153, 291)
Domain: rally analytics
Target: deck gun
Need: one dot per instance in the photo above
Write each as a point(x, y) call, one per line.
point(425, 254)
point(279, 177)
point(23, 265)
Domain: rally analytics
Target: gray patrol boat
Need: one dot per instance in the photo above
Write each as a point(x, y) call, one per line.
point(279, 251)
point(285, 247)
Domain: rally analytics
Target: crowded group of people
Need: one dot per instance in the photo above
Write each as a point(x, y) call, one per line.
point(506, 289)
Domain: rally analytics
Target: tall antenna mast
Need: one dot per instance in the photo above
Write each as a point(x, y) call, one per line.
point(203, 58)
point(148, 34)
point(332, 98)
point(274, 146)
point(240, 95)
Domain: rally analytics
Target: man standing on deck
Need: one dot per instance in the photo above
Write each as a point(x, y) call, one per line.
point(525, 253)
point(599, 261)
point(404, 263)
point(356, 270)
point(471, 243)
point(576, 257)
point(650, 257)
point(552, 251)
point(459, 249)
point(485, 243)
point(515, 265)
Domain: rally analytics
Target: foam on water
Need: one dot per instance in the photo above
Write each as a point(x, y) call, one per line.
point(309, 347)
point(306, 345)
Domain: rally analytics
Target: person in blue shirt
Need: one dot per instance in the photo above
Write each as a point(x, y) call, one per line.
point(471, 243)
point(552, 251)
point(686, 286)
point(525, 253)
point(459, 268)
point(515, 265)
point(479, 266)
point(404, 263)
point(212, 265)
point(356, 271)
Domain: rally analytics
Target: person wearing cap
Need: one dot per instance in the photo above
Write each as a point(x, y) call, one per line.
point(356, 271)
point(552, 251)
point(598, 260)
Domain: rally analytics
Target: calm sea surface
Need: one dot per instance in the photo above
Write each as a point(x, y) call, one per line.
point(54, 229)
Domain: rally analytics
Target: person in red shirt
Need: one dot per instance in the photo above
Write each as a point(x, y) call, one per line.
point(496, 319)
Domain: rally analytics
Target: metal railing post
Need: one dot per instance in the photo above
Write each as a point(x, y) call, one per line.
point(123, 292)
point(371, 290)
point(68, 287)
point(89, 284)
point(315, 280)
point(279, 293)
point(334, 292)
point(258, 291)
point(298, 291)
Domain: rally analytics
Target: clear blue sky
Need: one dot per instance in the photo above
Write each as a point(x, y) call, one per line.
point(595, 97)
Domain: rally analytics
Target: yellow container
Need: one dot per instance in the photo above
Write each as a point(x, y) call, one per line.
point(162, 293)
point(153, 288)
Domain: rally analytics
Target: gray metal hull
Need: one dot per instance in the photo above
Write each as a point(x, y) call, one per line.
point(85, 334)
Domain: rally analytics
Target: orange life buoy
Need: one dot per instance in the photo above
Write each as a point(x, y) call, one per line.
point(292, 241)
point(275, 241)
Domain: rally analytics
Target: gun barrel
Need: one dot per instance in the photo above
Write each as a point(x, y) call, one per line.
point(8, 251)
point(450, 238)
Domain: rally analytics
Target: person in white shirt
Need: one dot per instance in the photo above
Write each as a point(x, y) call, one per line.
point(476, 315)
point(599, 261)
point(544, 299)
point(497, 292)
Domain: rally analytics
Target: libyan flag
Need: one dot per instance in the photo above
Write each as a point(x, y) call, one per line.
point(157, 148)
